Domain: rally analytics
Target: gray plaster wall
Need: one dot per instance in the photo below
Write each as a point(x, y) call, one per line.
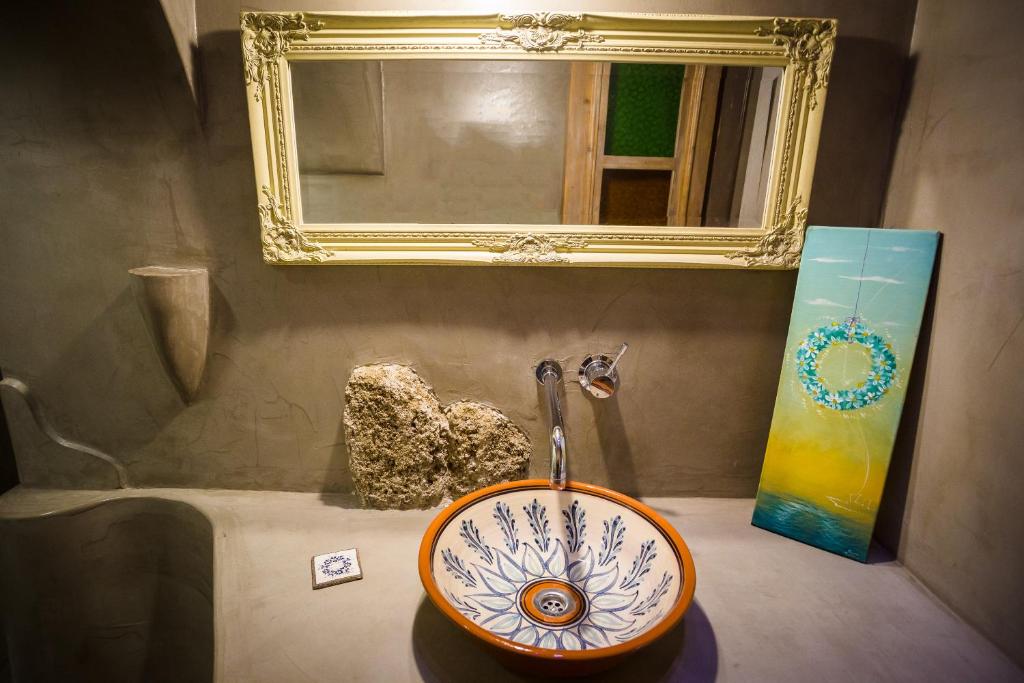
point(105, 165)
point(959, 169)
point(464, 142)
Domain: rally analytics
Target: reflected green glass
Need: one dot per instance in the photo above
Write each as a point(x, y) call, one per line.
point(643, 109)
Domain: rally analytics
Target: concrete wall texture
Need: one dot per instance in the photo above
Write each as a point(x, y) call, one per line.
point(959, 168)
point(465, 142)
point(106, 163)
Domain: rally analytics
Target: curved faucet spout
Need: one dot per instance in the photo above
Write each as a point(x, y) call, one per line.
point(549, 373)
point(557, 459)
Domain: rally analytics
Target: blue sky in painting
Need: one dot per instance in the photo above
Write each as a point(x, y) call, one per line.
point(892, 269)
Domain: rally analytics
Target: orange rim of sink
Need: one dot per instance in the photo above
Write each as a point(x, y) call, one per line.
point(682, 553)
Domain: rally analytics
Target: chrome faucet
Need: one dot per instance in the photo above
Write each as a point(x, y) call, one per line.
point(549, 374)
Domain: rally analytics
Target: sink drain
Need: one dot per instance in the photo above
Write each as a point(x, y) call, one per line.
point(552, 602)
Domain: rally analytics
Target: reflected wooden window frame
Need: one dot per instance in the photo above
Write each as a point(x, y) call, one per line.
point(802, 47)
point(702, 138)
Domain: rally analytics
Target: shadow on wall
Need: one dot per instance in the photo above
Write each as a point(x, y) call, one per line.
point(444, 653)
point(8, 466)
point(858, 135)
point(889, 527)
point(910, 67)
point(338, 488)
point(615, 446)
point(93, 126)
point(142, 384)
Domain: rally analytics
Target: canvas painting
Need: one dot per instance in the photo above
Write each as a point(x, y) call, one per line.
point(857, 312)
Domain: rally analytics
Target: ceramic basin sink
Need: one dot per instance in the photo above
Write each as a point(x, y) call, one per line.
point(557, 582)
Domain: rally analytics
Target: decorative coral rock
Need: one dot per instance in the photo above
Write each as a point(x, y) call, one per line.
point(486, 448)
point(397, 437)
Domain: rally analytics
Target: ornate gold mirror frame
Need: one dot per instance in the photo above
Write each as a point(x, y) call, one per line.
point(270, 41)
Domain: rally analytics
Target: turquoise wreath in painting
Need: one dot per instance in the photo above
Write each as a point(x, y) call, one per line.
point(878, 380)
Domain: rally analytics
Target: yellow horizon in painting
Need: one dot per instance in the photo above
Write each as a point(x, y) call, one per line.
point(834, 459)
point(827, 477)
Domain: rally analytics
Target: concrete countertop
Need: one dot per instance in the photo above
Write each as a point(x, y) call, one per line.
point(766, 608)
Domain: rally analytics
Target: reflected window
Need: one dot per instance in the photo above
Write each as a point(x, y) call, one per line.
point(668, 144)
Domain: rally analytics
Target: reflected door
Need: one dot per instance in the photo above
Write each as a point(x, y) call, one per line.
point(668, 144)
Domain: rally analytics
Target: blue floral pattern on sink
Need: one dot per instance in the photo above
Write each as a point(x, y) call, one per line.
point(623, 594)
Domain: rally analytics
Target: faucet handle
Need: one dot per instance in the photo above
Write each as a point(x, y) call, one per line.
point(598, 374)
point(615, 362)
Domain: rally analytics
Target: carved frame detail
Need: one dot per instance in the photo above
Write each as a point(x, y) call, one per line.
point(282, 241)
point(539, 32)
point(271, 41)
point(530, 247)
point(809, 46)
point(782, 245)
point(265, 38)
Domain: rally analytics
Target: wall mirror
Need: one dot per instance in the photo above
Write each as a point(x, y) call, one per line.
point(548, 138)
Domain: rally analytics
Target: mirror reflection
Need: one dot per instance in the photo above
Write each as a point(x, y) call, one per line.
point(534, 142)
